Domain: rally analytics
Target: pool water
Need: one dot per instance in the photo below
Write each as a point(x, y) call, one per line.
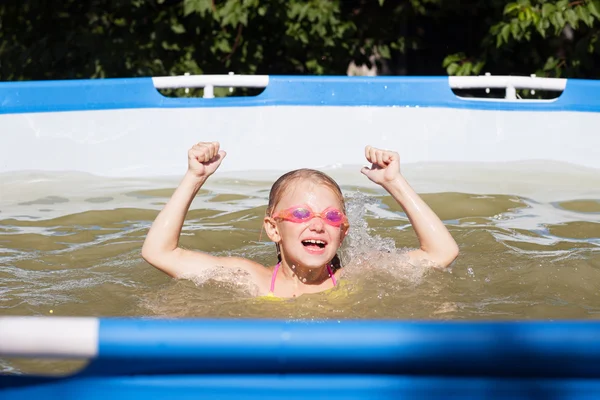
point(528, 232)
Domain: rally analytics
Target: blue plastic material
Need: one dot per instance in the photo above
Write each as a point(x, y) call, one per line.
point(542, 349)
point(76, 95)
point(291, 387)
point(181, 359)
point(145, 358)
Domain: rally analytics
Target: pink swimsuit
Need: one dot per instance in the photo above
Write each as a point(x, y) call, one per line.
point(277, 269)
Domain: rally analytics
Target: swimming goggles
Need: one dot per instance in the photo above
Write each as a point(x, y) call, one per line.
point(304, 213)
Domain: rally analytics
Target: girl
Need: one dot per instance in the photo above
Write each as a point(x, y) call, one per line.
point(305, 218)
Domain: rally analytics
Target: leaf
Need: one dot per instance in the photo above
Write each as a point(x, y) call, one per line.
point(384, 51)
point(554, 21)
point(467, 68)
point(313, 65)
point(452, 68)
point(303, 37)
point(197, 6)
point(299, 10)
point(244, 19)
point(560, 19)
point(592, 45)
point(178, 28)
point(594, 8)
point(525, 24)
point(551, 63)
point(535, 17)
point(510, 7)
point(223, 45)
point(452, 58)
point(495, 29)
point(399, 44)
point(515, 29)
point(170, 46)
point(584, 15)
point(232, 13)
point(561, 5)
point(478, 67)
point(505, 33)
point(547, 10)
point(381, 3)
point(540, 27)
point(572, 18)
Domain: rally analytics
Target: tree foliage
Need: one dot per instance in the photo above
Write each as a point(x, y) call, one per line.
point(119, 38)
point(107, 38)
point(548, 38)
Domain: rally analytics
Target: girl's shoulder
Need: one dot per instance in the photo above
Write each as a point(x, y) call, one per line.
point(248, 265)
point(259, 273)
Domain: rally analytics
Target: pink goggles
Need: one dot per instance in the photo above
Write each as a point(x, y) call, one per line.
point(304, 213)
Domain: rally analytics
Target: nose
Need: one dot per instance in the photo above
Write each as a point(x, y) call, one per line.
point(317, 224)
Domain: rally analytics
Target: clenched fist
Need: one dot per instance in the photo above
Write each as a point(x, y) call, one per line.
point(204, 158)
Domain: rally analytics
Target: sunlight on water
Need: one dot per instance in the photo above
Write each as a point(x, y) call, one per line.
point(529, 235)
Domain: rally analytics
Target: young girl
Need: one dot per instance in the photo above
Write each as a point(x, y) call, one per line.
point(305, 217)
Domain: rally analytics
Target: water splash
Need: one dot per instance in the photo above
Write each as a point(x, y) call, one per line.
point(237, 281)
point(366, 253)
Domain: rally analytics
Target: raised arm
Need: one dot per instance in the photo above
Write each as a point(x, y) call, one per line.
point(161, 245)
point(436, 243)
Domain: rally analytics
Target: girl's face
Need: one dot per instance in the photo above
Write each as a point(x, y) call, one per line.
point(314, 242)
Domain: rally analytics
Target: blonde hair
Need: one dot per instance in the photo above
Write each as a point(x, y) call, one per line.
point(283, 183)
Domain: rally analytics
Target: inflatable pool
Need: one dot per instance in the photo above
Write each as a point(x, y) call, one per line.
point(110, 127)
point(226, 359)
point(126, 128)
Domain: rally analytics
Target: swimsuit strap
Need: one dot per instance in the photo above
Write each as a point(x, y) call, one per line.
point(331, 274)
point(274, 276)
point(277, 269)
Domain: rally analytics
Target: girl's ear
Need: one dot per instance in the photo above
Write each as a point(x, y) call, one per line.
point(271, 229)
point(344, 232)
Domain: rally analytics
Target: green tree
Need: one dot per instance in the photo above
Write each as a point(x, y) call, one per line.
point(119, 38)
point(548, 38)
point(116, 38)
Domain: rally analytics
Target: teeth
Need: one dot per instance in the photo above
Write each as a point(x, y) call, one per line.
point(314, 241)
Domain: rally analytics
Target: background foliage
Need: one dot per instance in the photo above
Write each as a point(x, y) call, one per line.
point(119, 38)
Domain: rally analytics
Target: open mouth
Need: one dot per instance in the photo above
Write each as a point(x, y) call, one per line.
point(314, 244)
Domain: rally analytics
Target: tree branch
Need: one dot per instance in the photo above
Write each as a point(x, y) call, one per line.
point(235, 43)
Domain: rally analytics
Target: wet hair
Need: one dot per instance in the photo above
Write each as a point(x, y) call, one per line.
point(284, 182)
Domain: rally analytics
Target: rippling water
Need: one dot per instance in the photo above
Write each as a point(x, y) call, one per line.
point(529, 235)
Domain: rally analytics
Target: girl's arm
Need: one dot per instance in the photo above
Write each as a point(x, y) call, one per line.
point(436, 243)
point(161, 247)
